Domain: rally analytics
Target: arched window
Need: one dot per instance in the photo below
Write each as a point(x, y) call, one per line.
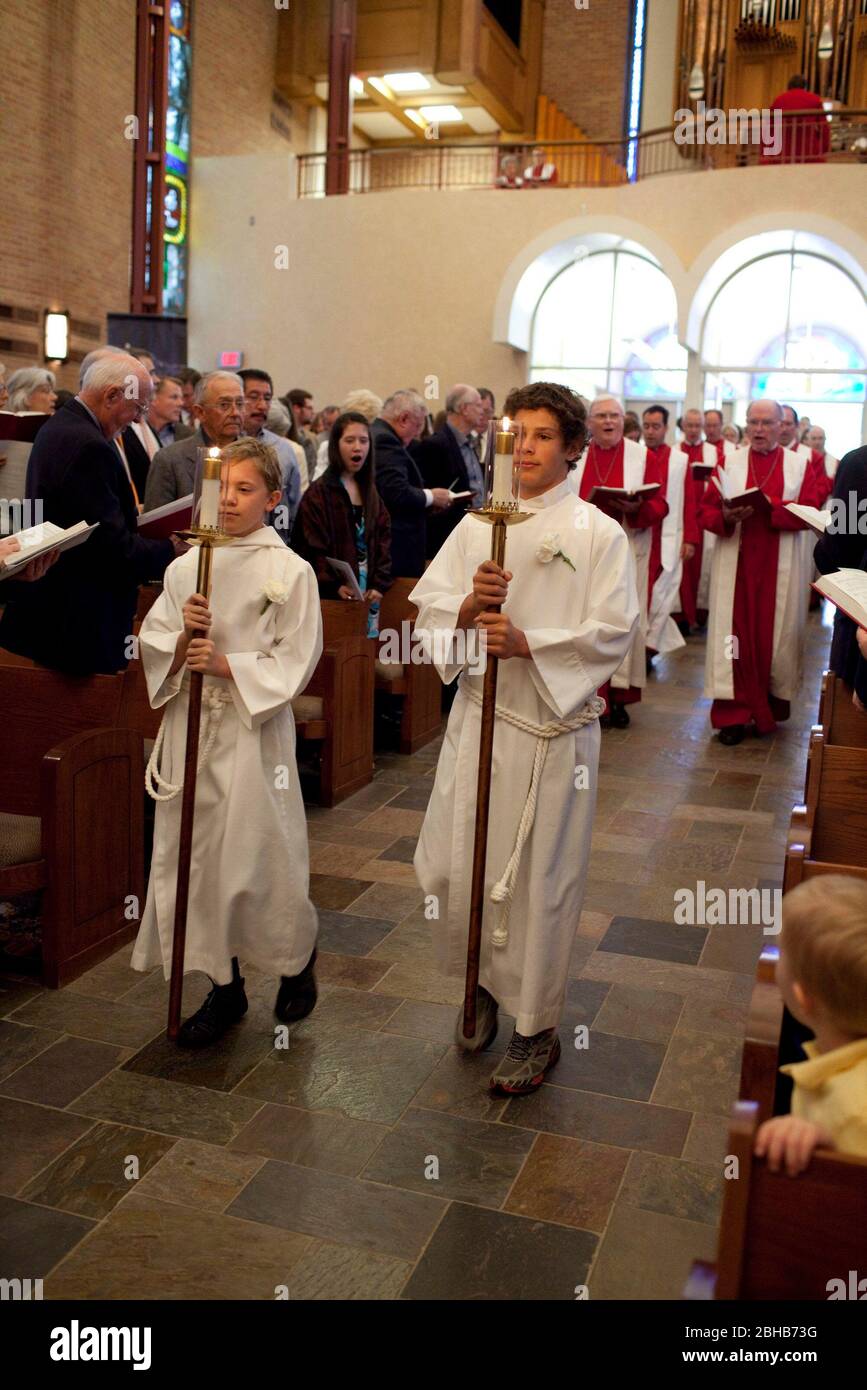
point(791, 326)
point(608, 323)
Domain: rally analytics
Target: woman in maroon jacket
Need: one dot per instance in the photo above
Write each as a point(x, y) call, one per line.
point(342, 517)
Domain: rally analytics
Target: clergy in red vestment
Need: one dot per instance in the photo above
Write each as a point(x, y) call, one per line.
point(713, 433)
point(674, 539)
point(816, 440)
point(806, 138)
point(758, 581)
point(612, 461)
point(790, 439)
point(697, 567)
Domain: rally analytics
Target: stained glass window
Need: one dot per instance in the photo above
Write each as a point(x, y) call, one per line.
point(177, 173)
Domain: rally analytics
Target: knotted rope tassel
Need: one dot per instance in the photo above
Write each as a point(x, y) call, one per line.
point(214, 702)
point(503, 890)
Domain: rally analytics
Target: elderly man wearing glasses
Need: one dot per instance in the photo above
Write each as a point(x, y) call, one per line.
point(219, 411)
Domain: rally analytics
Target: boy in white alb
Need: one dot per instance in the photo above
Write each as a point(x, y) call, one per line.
point(249, 874)
point(570, 610)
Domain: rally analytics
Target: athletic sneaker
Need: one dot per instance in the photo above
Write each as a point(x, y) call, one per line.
point(525, 1064)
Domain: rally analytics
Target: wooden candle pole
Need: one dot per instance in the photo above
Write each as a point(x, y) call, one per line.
point(483, 803)
point(188, 809)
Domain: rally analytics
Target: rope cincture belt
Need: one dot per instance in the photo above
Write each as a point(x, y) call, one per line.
point(504, 889)
point(214, 701)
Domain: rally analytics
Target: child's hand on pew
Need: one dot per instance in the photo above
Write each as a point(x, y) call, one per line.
point(789, 1141)
point(202, 656)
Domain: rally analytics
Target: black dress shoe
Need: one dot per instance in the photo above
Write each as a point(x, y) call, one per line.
point(225, 1005)
point(296, 997)
point(619, 716)
point(732, 735)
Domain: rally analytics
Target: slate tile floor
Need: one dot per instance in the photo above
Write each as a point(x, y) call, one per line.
point(366, 1159)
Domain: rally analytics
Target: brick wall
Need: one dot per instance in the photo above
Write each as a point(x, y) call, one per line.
point(67, 82)
point(584, 57)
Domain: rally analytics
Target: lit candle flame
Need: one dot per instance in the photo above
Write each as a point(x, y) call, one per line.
point(213, 452)
point(507, 424)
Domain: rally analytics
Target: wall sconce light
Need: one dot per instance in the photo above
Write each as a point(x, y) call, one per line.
point(695, 89)
point(55, 336)
point(826, 42)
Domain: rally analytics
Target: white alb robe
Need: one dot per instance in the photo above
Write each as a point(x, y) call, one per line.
point(632, 670)
point(249, 877)
point(578, 624)
point(663, 634)
point(790, 611)
point(702, 597)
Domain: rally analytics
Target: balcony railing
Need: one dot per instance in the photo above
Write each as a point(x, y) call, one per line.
point(586, 164)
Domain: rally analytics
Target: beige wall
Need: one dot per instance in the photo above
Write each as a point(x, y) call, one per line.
point(660, 63)
point(385, 290)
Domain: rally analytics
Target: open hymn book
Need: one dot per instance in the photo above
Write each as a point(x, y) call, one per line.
point(847, 590)
point(817, 520)
point(36, 540)
point(751, 497)
point(643, 492)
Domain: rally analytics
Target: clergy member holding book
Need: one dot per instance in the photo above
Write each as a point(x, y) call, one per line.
point(79, 619)
point(569, 615)
point(622, 477)
point(249, 876)
point(759, 579)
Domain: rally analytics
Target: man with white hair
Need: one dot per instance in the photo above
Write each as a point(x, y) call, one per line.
point(219, 409)
point(399, 481)
point(79, 618)
point(447, 459)
point(610, 461)
point(759, 579)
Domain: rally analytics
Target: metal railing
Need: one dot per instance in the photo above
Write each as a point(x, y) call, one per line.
point(586, 164)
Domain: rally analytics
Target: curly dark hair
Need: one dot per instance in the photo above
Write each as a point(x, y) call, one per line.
point(566, 405)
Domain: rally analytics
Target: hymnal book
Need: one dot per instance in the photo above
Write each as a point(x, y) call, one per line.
point(36, 540)
point(702, 470)
point(24, 426)
point(643, 492)
point(347, 574)
point(750, 497)
point(460, 494)
point(162, 522)
point(847, 590)
point(817, 520)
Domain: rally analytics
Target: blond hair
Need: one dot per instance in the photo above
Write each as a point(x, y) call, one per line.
point(262, 456)
point(825, 940)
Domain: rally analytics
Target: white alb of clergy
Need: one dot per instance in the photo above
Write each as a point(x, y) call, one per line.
point(579, 622)
point(632, 670)
point(249, 877)
point(663, 634)
point(790, 611)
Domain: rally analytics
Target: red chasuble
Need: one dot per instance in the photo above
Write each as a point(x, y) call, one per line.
point(824, 485)
point(692, 568)
point(756, 591)
point(604, 468)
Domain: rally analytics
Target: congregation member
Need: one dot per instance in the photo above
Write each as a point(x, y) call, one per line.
point(258, 396)
point(148, 361)
point(674, 538)
point(31, 389)
point(568, 616)
point(326, 418)
point(489, 408)
point(219, 411)
point(189, 379)
point(367, 403)
point(759, 581)
point(448, 460)
point(610, 461)
point(695, 578)
point(300, 403)
point(9, 548)
point(400, 482)
point(143, 439)
point(79, 618)
point(541, 173)
point(249, 878)
point(509, 175)
point(713, 433)
point(342, 517)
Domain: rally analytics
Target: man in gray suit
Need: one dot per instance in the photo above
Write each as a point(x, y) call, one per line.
point(223, 414)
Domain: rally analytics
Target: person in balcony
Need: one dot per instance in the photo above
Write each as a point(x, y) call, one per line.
point(509, 176)
point(806, 138)
point(541, 172)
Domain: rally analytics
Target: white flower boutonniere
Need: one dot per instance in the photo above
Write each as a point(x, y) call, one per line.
point(274, 592)
point(549, 549)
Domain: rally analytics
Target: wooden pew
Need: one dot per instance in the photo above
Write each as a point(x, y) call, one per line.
point(781, 1237)
point(335, 710)
point(832, 822)
point(419, 685)
point(842, 722)
point(761, 1055)
point(71, 811)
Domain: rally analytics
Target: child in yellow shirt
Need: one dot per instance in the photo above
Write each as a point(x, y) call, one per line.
point(822, 975)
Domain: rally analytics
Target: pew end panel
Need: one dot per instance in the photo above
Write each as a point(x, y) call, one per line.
point(418, 685)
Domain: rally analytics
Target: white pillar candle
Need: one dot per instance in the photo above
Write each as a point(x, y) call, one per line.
point(209, 508)
point(501, 491)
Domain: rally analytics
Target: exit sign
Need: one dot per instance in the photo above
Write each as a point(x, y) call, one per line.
point(231, 361)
